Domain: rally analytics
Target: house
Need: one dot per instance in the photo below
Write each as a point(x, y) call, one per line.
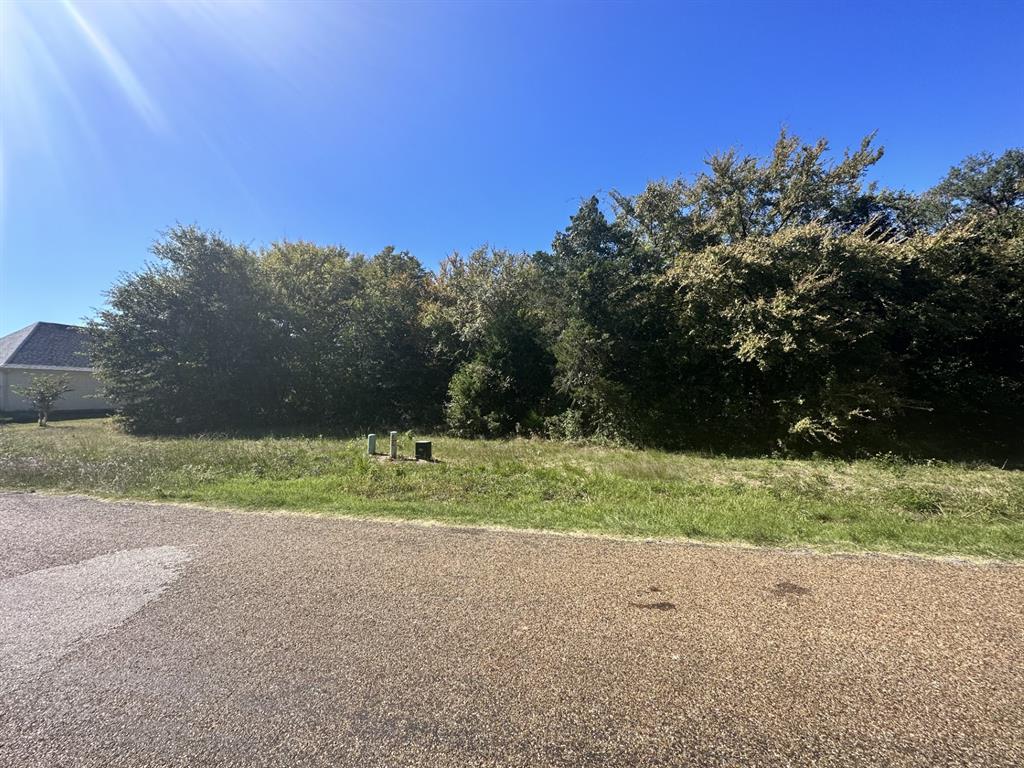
point(48, 348)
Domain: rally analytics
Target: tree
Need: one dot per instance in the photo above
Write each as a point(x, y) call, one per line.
point(590, 285)
point(767, 303)
point(487, 328)
point(742, 196)
point(44, 392)
point(801, 320)
point(961, 319)
point(189, 343)
point(608, 308)
point(317, 307)
point(353, 338)
point(983, 184)
point(399, 379)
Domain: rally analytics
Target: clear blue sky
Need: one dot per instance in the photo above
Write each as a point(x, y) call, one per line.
point(439, 127)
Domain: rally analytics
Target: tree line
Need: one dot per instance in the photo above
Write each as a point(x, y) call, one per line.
point(781, 303)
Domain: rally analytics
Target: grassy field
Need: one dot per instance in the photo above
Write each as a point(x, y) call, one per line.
point(871, 505)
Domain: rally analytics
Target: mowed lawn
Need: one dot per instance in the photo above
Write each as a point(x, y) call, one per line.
point(940, 508)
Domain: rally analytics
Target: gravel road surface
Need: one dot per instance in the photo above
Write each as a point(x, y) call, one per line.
point(159, 635)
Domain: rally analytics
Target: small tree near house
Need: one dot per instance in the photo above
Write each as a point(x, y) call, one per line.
point(44, 392)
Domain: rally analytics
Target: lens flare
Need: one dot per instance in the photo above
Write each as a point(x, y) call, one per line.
point(119, 70)
point(69, 68)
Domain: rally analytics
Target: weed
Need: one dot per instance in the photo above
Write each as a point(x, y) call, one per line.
point(883, 503)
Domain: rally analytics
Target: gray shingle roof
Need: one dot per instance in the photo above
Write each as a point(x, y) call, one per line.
point(46, 344)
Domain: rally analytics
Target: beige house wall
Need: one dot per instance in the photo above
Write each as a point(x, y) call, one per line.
point(83, 385)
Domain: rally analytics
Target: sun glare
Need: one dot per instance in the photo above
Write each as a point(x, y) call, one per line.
point(118, 68)
point(65, 64)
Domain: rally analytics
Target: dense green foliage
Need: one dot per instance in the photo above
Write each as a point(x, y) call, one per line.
point(489, 333)
point(767, 304)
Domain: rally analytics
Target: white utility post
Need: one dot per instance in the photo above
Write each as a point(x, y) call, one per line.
point(394, 445)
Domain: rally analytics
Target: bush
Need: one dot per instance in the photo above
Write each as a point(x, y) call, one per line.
point(778, 304)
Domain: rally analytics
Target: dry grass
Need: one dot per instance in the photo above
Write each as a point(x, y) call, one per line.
point(876, 505)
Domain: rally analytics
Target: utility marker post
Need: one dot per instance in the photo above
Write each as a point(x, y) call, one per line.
point(394, 445)
point(371, 444)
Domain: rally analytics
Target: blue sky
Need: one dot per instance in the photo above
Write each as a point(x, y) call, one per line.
point(440, 127)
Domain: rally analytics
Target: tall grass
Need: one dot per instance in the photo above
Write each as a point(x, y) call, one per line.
point(883, 505)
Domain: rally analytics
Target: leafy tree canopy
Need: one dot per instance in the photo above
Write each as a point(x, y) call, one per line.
point(781, 303)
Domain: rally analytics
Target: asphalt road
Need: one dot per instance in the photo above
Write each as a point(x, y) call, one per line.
point(146, 635)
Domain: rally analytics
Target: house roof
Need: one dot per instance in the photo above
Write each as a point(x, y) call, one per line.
point(46, 345)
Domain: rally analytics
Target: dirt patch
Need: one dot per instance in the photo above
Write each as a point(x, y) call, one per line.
point(784, 588)
point(663, 605)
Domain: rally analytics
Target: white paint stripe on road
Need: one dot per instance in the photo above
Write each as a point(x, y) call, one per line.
point(46, 613)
